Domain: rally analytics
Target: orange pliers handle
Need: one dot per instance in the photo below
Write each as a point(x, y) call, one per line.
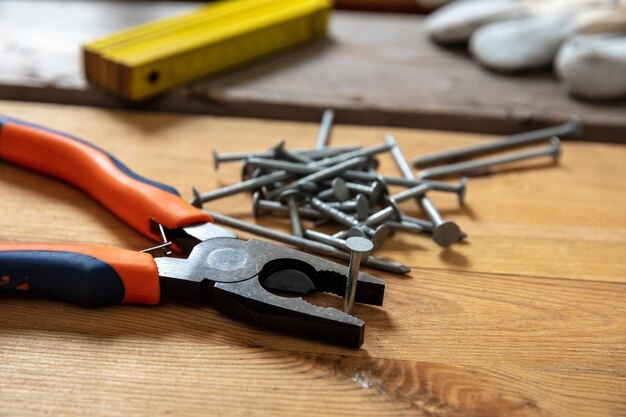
point(138, 201)
point(84, 274)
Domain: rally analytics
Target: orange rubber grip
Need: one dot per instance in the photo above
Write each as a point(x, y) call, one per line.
point(84, 274)
point(136, 200)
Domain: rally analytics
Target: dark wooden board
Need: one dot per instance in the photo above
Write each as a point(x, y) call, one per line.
point(374, 69)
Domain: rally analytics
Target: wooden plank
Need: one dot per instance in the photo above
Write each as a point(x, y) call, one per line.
point(528, 319)
point(376, 69)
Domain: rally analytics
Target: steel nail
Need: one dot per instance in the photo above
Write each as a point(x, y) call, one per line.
point(381, 233)
point(302, 243)
point(360, 206)
point(218, 158)
point(310, 187)
point(259, 205)
point(374, 191)
point(282, 153)
point(310, 152)
point(340, 216)
point(426, 225)
point(164, 241)
point(404, 195)
point(250, 171)
point(445, 232)
point(569, 129)
point(338, 190)
point(196, 201)
point(359, 153)
point(323, 136)
point(405, 226)
point(359, 247)
point(353, 231)
point(291, 197)
point(391, 211)
point(250, 184)
point(324, 238)
point(318, 176)
point(463, 168)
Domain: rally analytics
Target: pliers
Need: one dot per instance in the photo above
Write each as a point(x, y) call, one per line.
point(237, 276)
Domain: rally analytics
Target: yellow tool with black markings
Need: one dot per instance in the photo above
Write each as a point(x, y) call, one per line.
point(148, 59)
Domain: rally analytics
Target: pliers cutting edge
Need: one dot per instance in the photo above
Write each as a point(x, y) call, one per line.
point(236, 276)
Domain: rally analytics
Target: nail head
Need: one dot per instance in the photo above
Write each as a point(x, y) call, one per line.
point(359, 244)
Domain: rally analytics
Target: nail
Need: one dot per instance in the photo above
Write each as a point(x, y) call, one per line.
point(324, 134)
point(302, 243)
point(164, 240)
point(445, 232)
point(259, 205)
point(407, 227)
point(281, 153)
point(318, 176)
point(196, 201)
point(310, 187)
point(375, 191)
point(359, 247)
point(249, 171)
point(326, 239)
point(338, 190)
point(360, 206)
point(569, 129)
point(426, 225)
point(391, 211)
point(359, 153)
point(340, 216)
point(353, 231)
point(463, 168)
point(250, 184)
point(398, 157)
point(409, 193)
point(291, 197)
point(381, 233)
point(311, 153)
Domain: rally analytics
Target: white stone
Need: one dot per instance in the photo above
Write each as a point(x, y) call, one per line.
point(522, 44)
point(602, 19)
point(594, 66)
point(455, 22)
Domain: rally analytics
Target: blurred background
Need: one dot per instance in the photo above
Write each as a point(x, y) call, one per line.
point(490, 66)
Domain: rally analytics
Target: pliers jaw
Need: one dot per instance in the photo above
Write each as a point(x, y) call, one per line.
point(188, 237)
point(238, 277)
point(249, 301)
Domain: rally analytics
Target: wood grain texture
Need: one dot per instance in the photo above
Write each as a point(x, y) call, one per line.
point(375, 69)
point(526, 319)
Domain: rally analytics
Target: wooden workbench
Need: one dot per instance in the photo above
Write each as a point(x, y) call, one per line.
point(373, 69)
point(528, 318)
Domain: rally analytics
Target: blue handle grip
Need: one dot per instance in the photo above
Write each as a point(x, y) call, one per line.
point(70, 277)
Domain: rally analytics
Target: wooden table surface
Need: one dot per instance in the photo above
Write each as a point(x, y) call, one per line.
point(373, 69)
point(528, 318)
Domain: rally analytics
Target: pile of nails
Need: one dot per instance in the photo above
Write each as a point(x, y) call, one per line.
point(340, 185)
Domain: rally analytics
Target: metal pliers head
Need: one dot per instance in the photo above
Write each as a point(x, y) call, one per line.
point(240, 277)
